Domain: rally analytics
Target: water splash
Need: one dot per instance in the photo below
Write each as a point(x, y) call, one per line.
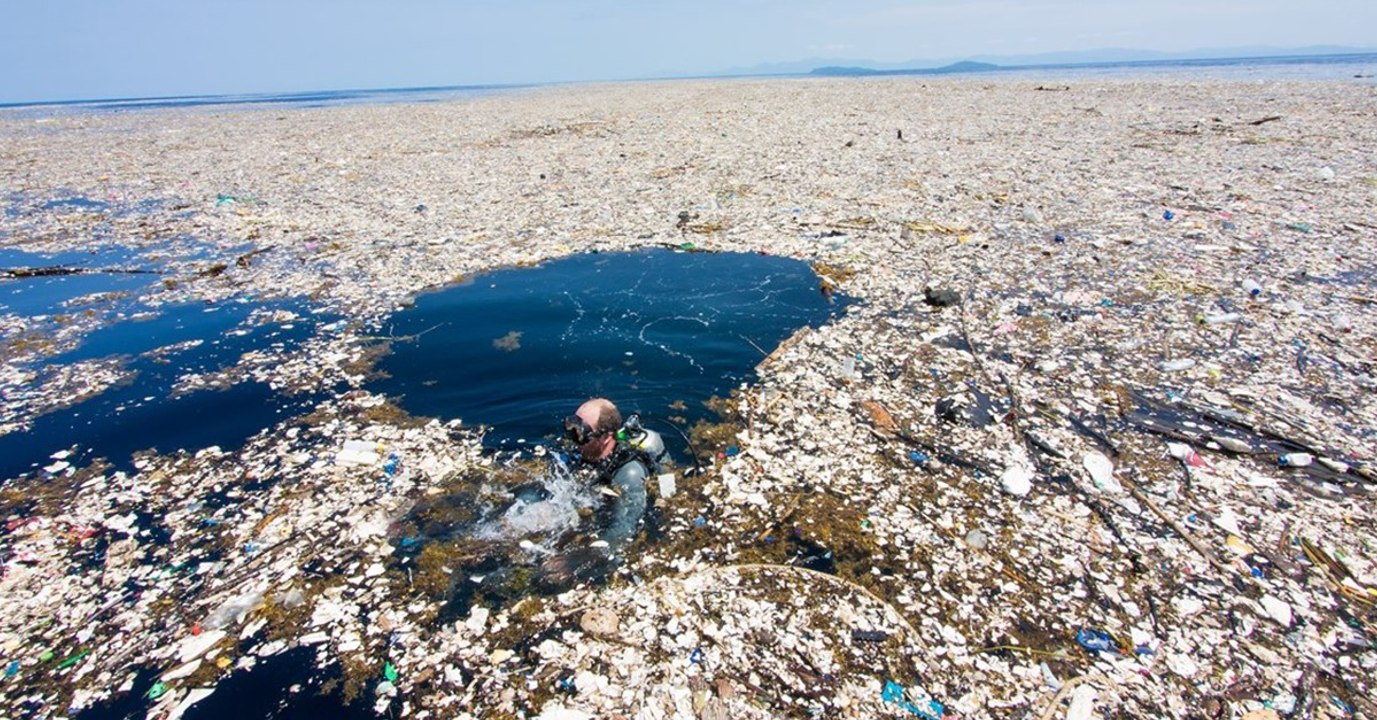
point(546, 508)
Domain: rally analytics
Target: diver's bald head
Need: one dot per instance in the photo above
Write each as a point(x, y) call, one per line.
point(601, 415)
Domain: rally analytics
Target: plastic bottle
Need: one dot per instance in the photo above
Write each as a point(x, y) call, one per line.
point(1220, 318)
point(1251, 287)
point(1299, 459)
point(232, 610)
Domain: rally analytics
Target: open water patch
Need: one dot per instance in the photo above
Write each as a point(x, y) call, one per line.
point(288, 685)
point(658, 332)
point(154, 349)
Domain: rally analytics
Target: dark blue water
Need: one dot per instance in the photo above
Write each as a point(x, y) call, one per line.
point(282, 686)
point(111, 312)
point(144, 413)
point(656, 331)
point(56, 294)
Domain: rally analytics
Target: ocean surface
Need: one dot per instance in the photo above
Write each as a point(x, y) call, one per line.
point(1358, 67)
point(658, 332)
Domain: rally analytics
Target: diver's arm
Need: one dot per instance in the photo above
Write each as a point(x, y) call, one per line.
point(629, 482)
point(590, 563)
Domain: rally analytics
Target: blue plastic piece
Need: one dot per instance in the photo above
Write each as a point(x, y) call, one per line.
point(893, 693)
point(1095, 640)
point(1168, 215)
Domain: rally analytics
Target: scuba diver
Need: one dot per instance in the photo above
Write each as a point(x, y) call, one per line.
point(589, 507)
point(621, 458)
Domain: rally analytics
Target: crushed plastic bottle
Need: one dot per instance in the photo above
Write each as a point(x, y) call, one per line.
point(230, 611)
point(1251, 287)
point(1186, 454)
point(1232, 444)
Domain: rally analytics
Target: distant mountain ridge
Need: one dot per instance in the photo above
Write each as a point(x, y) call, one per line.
point(1070, 57)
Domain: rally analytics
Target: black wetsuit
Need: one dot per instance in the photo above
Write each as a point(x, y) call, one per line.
point(626, 471)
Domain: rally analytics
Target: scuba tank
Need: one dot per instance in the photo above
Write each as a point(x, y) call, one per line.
point(647, 441)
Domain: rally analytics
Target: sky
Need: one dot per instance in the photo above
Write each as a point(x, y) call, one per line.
point(96, 49)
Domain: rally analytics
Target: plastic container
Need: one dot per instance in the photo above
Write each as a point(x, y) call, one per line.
point(232, 610)
point(1296, 459)
point(1220, 318)
point(1251, 287)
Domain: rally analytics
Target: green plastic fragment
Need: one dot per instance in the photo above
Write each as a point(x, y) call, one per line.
point(157, 691)
point(73, 659)
point(686, 246)
point(46, 656)
point(390, 672)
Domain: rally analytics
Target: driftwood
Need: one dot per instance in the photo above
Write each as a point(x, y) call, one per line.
point(1185, 534)
point(63, 270)
point(789, 342)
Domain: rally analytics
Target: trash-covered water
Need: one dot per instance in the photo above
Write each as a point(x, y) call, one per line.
point(658, 332)
point(97, 328)
point(142, 409)
point(517, 350)
point(284, 686)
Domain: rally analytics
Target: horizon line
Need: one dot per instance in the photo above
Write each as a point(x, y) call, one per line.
point(334, 93)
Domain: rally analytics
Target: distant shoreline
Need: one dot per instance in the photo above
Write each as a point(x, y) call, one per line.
point(364, 96)
point(982, 67)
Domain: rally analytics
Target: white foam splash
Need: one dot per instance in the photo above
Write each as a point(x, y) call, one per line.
point(549, 517)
